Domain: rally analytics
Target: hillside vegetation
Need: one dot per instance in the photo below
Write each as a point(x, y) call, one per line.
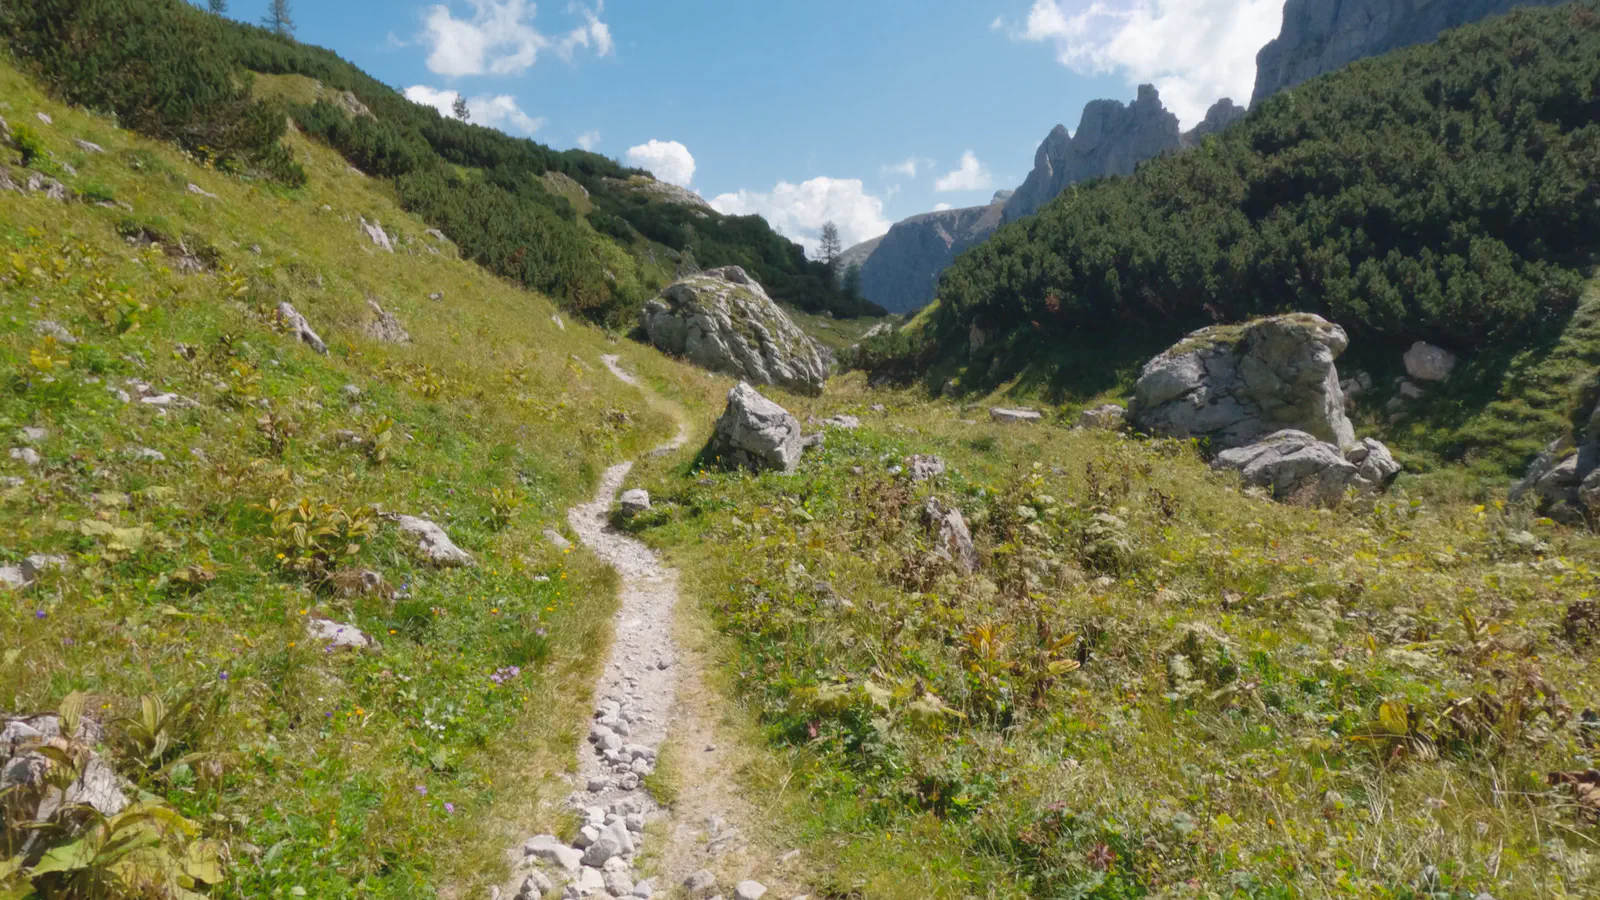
point(211, 485)
point(183, 75)
point(1154, 684)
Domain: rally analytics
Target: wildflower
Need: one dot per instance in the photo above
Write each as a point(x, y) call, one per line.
point(291, 645)
point(450, 808)
point(422, 790)
point(38, 614)
point(222, 676)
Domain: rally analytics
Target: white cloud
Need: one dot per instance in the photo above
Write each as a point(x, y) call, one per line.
point(941, 207)
point(800, 210)
point(1194, 51)
point(669, 161)
point(499, 38)
point(908, 168)
point(592, 32)
point(971, 175)
point(500, 111)
point(589, 140)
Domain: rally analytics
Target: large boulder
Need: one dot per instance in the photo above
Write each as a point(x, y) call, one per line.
point(722, 320)
point(1296, 465)
point(756, 433)
point(1234, 384)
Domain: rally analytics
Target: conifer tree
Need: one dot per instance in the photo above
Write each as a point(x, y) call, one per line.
point(279, 18)
point(217, 7)
point(830, 247)
point(459, 108)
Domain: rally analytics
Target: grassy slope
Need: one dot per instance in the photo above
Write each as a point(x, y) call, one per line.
point(323, 758)
point(1257, 764)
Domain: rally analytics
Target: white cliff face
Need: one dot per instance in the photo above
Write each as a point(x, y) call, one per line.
point(722, 320)
point(1323, 35)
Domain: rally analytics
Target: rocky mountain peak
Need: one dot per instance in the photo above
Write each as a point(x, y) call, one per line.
point(1112, 138)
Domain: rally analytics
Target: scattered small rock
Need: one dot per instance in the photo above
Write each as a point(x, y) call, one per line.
point(351, 392)
point(25, 455)
point(88, 146)
point(842, 422)
point(700, 884)
point(560, 325)
point(550, 849)
point(437, 296)
point(47, 328)
point(338, 636)
point(199, 191)
point(386, 327)
point(147, 454)
point(635, 501)
point(34, 435)
point(297, 323)
point(1005, 414)
point(749, 890)
point(1109, 417)
point(954, 538)
point(432, 540)
point(924, 468)
point(556, 539)
point(44, 117)
point(377, 235)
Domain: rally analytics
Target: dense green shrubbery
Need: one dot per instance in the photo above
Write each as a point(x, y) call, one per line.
point(1448, 192)
point(165, 73)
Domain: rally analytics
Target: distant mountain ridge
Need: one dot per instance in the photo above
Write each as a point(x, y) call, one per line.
point(902, 270)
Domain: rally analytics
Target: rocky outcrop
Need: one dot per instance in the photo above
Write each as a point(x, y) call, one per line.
point(1233, 384)
point(1294, 465)
point(755, 433)
point(901, 274)
point(723, 321)
point(1564, 481)
point(953, 540)
point(384, 326)
point(1112, 138)
point(661, 191)
point(1221, 114)
point(1320, 36)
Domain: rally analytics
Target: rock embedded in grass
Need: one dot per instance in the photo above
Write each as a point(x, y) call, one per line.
point(338, 636)
point(1109, 417)
point(1012, 416)
point(756, 433)
point(432, 541)
point(634, 502)
point(1293, 464)
point(302, 328)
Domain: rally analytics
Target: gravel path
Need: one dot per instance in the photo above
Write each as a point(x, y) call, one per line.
point(638, 705)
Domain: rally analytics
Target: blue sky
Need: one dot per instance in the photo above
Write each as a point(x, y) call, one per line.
point(859, 111)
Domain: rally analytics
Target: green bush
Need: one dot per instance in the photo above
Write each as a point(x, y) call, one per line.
point(1446, 192)
point(161, 66)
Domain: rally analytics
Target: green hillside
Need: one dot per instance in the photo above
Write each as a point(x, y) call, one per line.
point(192, 529)
point(185, 74)
point(1448, 193)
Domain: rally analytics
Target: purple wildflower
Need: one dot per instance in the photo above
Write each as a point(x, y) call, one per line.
point(422, 790)
point(38, 614)
point(222, 676)
point(450, 808)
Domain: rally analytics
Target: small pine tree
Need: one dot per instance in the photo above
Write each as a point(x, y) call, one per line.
point(460, 108)
point(852, 282)
point(830, 247)
point(217, 7)
point(279, 19)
